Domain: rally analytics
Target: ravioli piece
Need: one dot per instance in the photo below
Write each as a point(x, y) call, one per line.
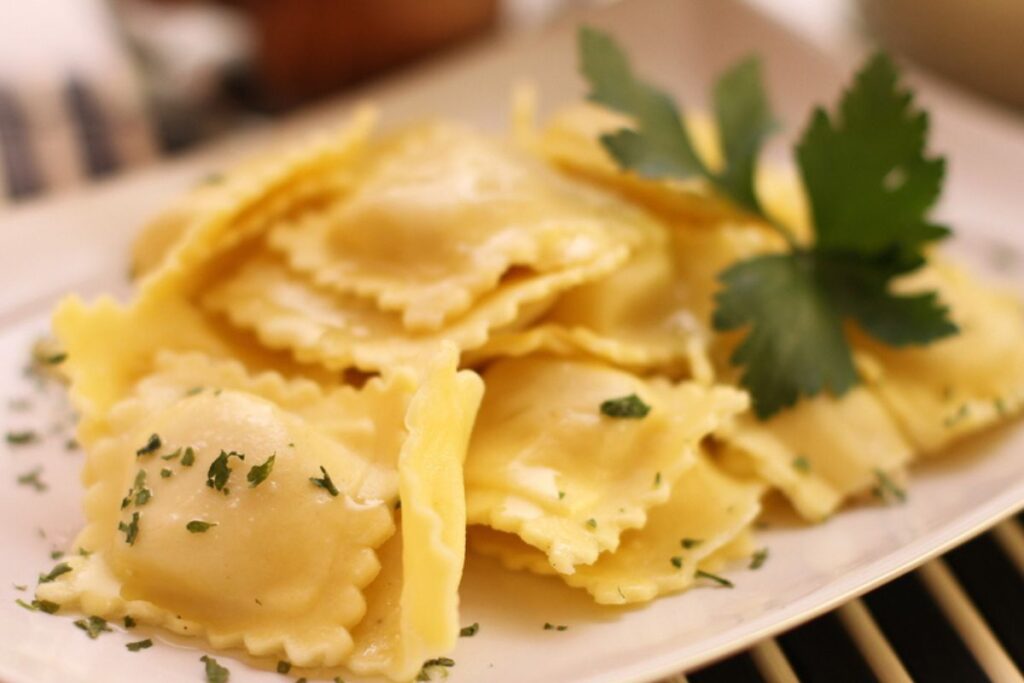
point(413, 604)
point(341, 331)
point(637, 317)
point(171, 494)
point(546, 464)
point(440, 217)
point(242, 204)
point(963, 383)
point(822, 451)
point(703, 523)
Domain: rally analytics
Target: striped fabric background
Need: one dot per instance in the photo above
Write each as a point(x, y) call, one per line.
point(958, 618)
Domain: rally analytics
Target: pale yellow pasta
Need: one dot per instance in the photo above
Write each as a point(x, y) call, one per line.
point(300, 554)
point(961, 384)
point(707, 510)
point(413, 612)
point(340, 331)
point(443, 214)
point(547, 465)
point(822, 451)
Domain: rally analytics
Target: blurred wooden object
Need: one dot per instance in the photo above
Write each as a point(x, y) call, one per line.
point(307, 48)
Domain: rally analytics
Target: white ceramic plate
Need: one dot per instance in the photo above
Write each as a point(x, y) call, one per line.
point(79, 243)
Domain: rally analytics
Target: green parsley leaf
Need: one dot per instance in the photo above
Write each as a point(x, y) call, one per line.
point(801, 464)
point(219, 472)
point(431, 664)
point(325, 482)
point(258, 473)
point(152, 445)
point(131, 530)
point(552, 627)
point(139, 645)
point(197, 526)
point(870, 186)
point(172, 455)
point(758, 559)
point(129, 621)
point(215, 673)
point(165, 473)
point(39, 606)
point(888, 490)
point(93, 626)
point(58, 570)
point(592, 523)
point(630, 407)
point(22, 437)
point(677, 562)
point(284, 667)
point(469, 631)
point(688, 543)
point(31, 479)
point(720, 580)
point(189, 458)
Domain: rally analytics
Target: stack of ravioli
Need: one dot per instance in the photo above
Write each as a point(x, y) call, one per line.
point(342, 356)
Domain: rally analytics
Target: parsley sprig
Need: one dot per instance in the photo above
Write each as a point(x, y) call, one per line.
point(870, 184)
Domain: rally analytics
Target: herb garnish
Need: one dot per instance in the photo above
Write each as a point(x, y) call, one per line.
point(22, 437)
point(129, 621)
point(802, 464)
point(93, 626)
point(219, 472)
point(189, 458)
point(325, 482)
point(258, 473)
point(548, 626)
point(32, 479)
point(139, 645)
point(172, 455)
point(61, 568)
point(284, 667)
point(592, 523)
point(469, 631)
point(39, 606)
point(424, 674)
point(887, 489)
point(215, 673)
point(197, 526)
point(152, 445)
point(131, 530)
point(758, 559)
point(166, 473)
point(720, 580)
point(870, 188)
point(689, 543)
point(627, 407)
point(677, 561)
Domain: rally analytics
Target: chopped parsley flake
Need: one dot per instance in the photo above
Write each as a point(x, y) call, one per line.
point(629, 407)
point(592, 523)
point(171, 456)
point(284, 667)
point(139, 645)
point(720, 580)
point(433, 664)
point(62, 568)
point(469, 631)
point(689, 543)
point(657, 479)
point(548, 626)
point(129, 621)
point(677, 562)
point(166, 473)
point(325, 482)
point(151, 447)
point(71, 445)
point(561, 495)
point(20, 587)
point(32, 480)
point(142, 497)
point(758, 559)
point(22, 437)
point(131, 530)
point(39, 606)
point(888, 490)
point(1000, 406)
point(189, 458)
point(54, 358)
point(193, 391)
point(219, 472)
point(56, 554)
point(259, 473)
point(197, 526)
point(802, 464)
point(93, 626)
point(959, 416)
point(215, 673)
